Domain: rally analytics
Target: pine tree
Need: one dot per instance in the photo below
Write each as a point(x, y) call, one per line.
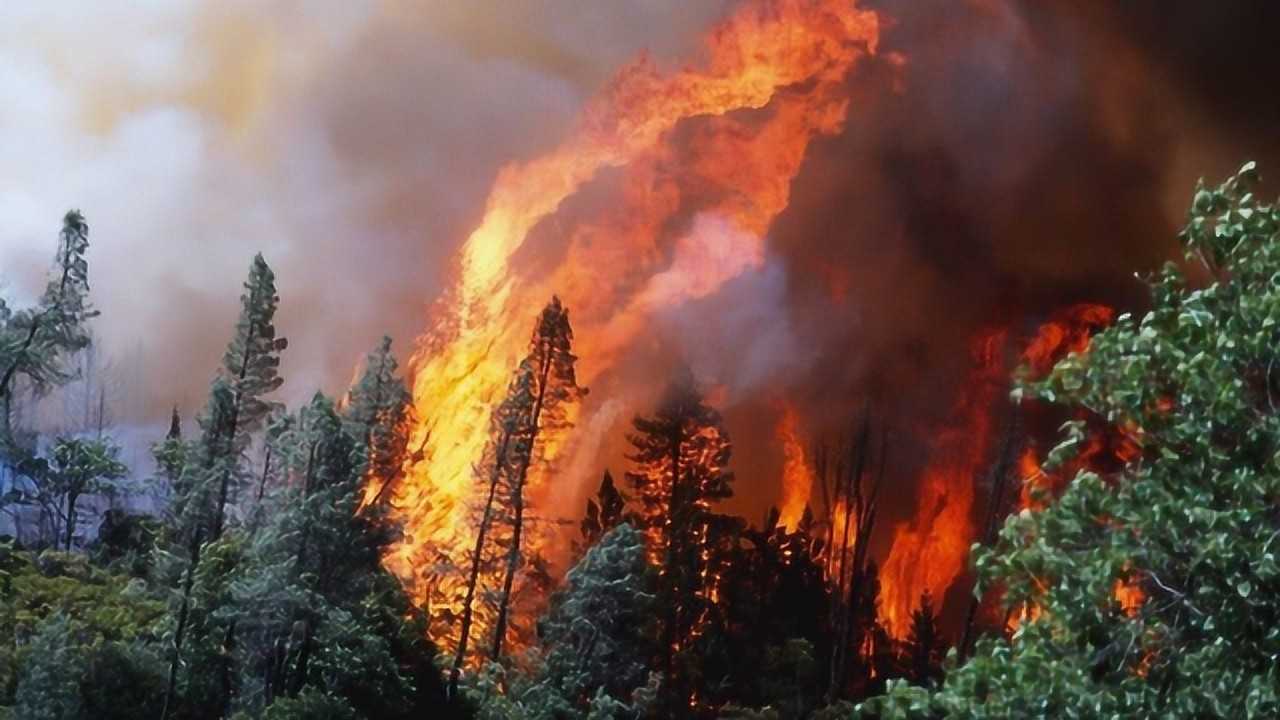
point(550, 387)
point(604, 513)
point(599, 632)
point(925, 646)
point(49, 688)
point(250, 367)
point(214, 468)
point(312, 606)
point(35, 341)
point(378, 411)
point(536, 407)
point(681, 458)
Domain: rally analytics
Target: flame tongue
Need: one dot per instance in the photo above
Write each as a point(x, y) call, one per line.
point(783, 60)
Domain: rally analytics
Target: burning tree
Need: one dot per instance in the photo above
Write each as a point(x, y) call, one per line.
point(524, 430)
point(681, 457)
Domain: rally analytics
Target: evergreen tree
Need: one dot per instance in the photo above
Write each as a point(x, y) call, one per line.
point(49, 688)
point(214, 467)
point(34, 342)
point(170, 455)
point(925, 645)
point(600, 630)
point(536, 407)
point(604, 512)
point(378, 411)
point(549, 386)
point(681, 458)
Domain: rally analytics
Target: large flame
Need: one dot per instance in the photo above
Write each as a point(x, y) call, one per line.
point(771, 80)
point(930, 551)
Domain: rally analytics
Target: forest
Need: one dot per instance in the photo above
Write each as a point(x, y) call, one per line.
point(259, 573)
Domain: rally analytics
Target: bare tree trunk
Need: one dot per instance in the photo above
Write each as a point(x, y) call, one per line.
point(72, 497)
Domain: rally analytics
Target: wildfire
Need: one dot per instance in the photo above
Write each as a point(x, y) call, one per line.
point(931, 549)
point(772, 79)
point(797, 473)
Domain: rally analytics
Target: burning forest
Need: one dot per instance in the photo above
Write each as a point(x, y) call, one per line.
point(754, 359)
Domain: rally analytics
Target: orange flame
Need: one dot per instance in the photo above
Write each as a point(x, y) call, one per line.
point(931, 549)
point(797, 473)
point(772, 80)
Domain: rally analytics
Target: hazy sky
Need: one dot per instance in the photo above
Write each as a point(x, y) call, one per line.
point(350, 141)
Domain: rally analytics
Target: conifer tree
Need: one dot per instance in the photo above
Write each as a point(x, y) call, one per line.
point(236, 408)
point(35, 341)
point(925, 645)
point(599, 632)
point(536, 407)
point(312, 605)
point(681, 457)
point(604, 512)
point(550, 386)
point(378, 409)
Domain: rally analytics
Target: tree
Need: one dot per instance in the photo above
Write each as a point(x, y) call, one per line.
point(35, 341)
point(1156, 586)
point(681, 458)
point(536, 407)
point(925, 645)
point(599, 633)
point(49, 688)
point(604, 513)
point(378, 411)
point(549, 386)
point(214, 467)
point(250, 368)
point(79, 467)
point(312, 607)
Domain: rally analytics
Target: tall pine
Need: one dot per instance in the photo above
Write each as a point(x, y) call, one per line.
point(536, 408)
point(215, 469)
point(681, 456)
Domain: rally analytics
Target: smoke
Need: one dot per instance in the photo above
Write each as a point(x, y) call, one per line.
point(351, 142)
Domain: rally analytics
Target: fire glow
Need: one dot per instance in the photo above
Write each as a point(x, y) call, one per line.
point(712, 149)
point(773, 79)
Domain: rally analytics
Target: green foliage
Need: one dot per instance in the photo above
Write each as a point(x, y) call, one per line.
point(600, 634)
point(35, 341)
point(311, 704)
point(97, 622)
point(377, 414)
point(126, 541)
point(1192, 521)
point(48, 687)
point(78, 467)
